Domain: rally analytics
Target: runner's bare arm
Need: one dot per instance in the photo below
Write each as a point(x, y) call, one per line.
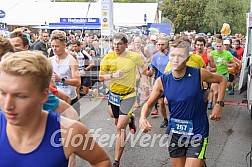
point(76, 80)
point(154, 96)
point(78, 140)
point(148, 54)
point(106, 77)
point(143, 69)
point(214, 78)
point(211, 63)
point(52, 83)
point(64, 97)
point(145, 112)
point(91, 64)
point(66, 110)
point(231, 63)
point(150, 72)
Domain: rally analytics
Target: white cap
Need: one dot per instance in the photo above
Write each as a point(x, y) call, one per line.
point(226, 42)
point(153, 37)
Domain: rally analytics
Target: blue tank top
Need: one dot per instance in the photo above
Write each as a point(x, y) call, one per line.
point(186, 100)
point(45, 155)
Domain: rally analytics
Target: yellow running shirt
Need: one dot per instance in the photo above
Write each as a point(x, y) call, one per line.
point(128, 63)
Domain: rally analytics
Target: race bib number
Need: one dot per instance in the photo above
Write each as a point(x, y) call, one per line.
point(184, 127)
point(61, 85)
point(114, 99)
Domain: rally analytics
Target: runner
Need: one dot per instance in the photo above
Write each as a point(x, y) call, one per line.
point(232, 77)
point(53, 103)
point(200, 44)
point(119, 67)
point(238, 48)
point(188, 123)
point(146, 57)
point(19, 40)
point(152, 47)
point(158, 64)
point(85, 63)
point(30, 135)
point(194, 59)
point(131, 47)
point(65, 68)
point(223, 59)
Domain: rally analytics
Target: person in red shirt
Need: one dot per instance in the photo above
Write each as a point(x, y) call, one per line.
point(238, 48)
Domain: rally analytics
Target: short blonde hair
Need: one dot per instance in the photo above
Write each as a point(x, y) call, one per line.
point(60, 35)
point(31, 63)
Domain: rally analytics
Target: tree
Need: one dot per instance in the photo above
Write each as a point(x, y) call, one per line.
point(218, 12)
point(207, 15)
point(185, 14)
point(213, 17)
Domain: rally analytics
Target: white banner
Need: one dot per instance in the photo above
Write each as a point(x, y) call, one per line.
point(107, 22)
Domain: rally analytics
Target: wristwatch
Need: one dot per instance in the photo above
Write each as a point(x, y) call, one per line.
point(111, 75)
point(63, 80)
point(221, 103)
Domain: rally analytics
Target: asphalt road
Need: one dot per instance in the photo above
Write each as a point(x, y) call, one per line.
point(230, 139)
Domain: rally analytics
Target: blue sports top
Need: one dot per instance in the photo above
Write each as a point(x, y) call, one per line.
point(52, 102)
point(45, 155)
point(159, 62)
point(186, 100)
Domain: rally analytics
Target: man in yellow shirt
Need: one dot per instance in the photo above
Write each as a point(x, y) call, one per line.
point(119, 68)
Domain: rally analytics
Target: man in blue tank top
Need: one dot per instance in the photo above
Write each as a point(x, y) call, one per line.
point(29, 134)
point(188, 123)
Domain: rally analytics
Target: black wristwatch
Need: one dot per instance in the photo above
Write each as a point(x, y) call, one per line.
point(221, 103)
point(63, 80)
point(111, 75)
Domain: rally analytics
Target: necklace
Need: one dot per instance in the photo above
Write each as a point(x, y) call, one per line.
point(179, 78)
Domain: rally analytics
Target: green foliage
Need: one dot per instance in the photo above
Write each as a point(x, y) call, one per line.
point(218, 12)
point(207, 15)
point(185, 14)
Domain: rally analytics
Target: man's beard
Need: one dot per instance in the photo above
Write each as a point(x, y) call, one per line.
point(200, 50)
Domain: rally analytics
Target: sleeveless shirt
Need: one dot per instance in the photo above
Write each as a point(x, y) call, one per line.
point(64, 72)
point(45, 155)
point(186, 100)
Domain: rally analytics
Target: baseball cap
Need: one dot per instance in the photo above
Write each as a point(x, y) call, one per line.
point(153, 37)
point(226, 42)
